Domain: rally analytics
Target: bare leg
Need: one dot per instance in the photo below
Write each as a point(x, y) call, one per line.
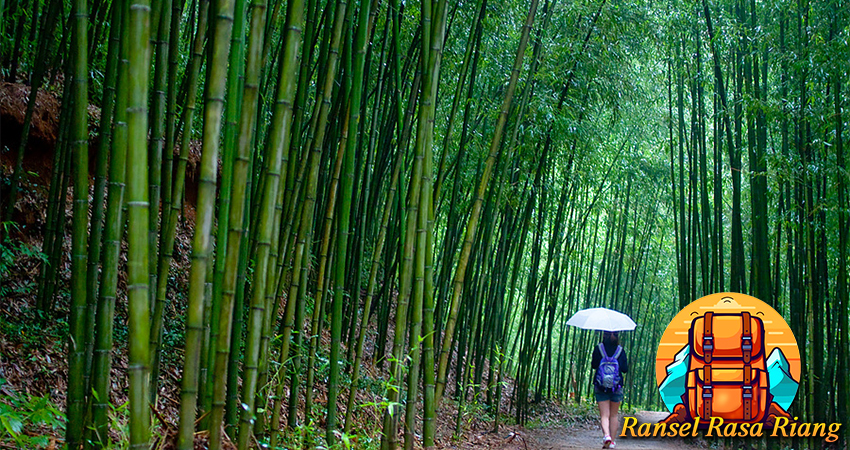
point(613, 418)
point(604, 411)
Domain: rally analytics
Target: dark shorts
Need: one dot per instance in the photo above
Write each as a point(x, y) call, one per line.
point(602, 396)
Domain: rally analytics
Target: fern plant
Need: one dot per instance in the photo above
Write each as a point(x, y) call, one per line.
point(24, 418)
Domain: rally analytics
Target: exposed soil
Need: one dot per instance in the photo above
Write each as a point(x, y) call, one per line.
point(38, 158)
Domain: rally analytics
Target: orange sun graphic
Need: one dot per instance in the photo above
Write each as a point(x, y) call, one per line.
point(777, 332)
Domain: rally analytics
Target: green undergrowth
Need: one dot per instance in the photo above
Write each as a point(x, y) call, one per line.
point(555, 413)
point(311, 433)
point(27, 420)
point(29, 329)
point(12, 252)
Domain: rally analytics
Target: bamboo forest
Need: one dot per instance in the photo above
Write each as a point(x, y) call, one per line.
point(234, 224)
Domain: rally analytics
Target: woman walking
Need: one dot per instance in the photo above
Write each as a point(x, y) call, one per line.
point(610, 363)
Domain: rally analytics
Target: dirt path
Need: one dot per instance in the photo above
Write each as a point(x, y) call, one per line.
point(581, 437)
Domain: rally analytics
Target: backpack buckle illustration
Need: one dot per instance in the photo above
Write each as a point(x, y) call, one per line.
point(747, 343)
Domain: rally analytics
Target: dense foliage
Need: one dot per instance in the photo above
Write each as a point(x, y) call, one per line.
point(436, 186)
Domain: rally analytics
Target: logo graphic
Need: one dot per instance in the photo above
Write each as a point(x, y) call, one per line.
point(728, 357)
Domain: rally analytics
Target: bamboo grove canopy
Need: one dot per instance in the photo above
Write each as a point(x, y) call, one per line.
point(296, 214)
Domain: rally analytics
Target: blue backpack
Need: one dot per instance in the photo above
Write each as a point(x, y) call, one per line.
point(608, 373)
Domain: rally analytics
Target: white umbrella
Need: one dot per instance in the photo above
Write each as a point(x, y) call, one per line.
point(601, 319)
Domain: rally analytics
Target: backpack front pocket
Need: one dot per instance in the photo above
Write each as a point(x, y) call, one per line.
point(725, 393)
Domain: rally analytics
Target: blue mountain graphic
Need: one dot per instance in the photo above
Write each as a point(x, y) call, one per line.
point(782, 384)
point(673, 386)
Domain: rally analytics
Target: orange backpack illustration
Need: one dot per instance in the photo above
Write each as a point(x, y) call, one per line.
point(726, 375)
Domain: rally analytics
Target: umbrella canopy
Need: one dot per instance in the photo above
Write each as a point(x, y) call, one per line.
point(601, 319)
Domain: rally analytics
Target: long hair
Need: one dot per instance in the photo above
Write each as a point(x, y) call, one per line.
point(611, 337)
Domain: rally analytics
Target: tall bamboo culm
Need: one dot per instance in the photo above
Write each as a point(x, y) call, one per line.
point(249, 106)
point(201, 246)
point(113, 234)
point(79, 248)
point(472, 223)
point(138, 272)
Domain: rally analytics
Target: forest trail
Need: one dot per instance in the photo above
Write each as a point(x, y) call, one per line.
point(588, 437)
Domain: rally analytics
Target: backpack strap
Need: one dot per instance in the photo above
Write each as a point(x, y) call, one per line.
point(708, 349)
point(707, 392)
point(747, 349)
point(707, 337)
point(616, 357)
point(746, 338)
point(602, 350)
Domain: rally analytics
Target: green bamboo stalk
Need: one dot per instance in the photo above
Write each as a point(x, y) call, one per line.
point(389, 439)
point(415, 317)
point(175, 196)
point(95, 236)
point(372, 170)
point(287, 322)
point(278, 140)
point(296, 208)
point(231, 408)
point(98, 16)
point(16, 51)
point(232, 110)
point(293, 209)
point(318, 128)
point(58, 193)
point(426, 213)
point(201, 248)
point(431, 48)
point(477, 23)
point(472, 223)
point(2, 14)
point(187, 118)
point(156, 144)
point(273, 291)
point(342, 162)
point(138, 211)
point(366, 209)
point(316, 318)
point(402, 126)
point(370, 291)
point(300, 106)
point(390, 433)
point(169, 226)
point(171, 112)
point(347, 187)
point(155, 14)
point(249, 105)
point(79, 256)
point(205, 332)
point(114, 228)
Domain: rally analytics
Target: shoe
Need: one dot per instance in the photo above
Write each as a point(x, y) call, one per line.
point(613, 445)
point(607, 441)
